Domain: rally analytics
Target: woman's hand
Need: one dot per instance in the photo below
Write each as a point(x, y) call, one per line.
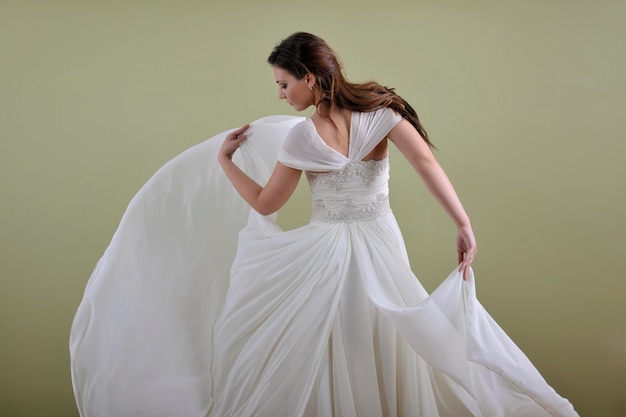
point(466, 249)
point(232, 142)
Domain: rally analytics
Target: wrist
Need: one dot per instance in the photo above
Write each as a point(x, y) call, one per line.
point(224, 159)
point(464, 225)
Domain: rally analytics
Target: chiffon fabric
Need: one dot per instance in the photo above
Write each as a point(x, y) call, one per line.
point(202, 307)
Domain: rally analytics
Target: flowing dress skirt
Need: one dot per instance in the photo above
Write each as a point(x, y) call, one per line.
point(200, 307)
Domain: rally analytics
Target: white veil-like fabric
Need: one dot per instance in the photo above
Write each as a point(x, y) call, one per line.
point(140, 342)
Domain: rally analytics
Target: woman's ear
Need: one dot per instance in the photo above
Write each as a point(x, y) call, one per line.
point(310, 79)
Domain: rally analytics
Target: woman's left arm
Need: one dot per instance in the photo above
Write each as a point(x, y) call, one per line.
point(421, 158)
point(265, 200)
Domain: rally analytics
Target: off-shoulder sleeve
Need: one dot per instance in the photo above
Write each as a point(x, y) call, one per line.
point(368, 129)
point(290, 152)
point(390, 118)
point(379, 122)
point(303, 149)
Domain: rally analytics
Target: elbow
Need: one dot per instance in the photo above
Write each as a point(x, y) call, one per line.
point(265, 212)
point(264, 209)
point(425, 164)
point(266, 204)
point(427, 160)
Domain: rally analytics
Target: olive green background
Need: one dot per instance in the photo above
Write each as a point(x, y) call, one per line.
point(524, 99)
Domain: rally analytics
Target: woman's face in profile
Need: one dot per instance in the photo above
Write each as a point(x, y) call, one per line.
point(295, 92)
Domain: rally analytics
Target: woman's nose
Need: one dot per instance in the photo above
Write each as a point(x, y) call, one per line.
point(281, 94)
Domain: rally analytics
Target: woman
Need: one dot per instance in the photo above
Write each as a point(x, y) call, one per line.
point(368, 353)
point(323, 320)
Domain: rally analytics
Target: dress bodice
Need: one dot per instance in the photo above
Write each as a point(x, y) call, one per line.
point(344, 187)
point(356, 192)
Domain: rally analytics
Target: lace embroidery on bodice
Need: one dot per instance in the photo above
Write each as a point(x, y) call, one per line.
point(336, 180)
point(356, 192)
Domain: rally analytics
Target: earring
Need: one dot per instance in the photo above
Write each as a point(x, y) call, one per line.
point(310, 88)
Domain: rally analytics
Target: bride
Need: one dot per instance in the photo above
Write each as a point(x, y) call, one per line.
point(201, 306)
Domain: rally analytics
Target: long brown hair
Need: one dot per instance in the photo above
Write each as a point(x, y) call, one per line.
point(303, 53)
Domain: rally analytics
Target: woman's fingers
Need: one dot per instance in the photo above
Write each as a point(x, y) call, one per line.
point(466, 250)
point(233, 141)
point(239, 133)
point(465, 261)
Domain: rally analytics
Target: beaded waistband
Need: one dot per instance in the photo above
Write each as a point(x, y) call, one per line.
point(350, 211)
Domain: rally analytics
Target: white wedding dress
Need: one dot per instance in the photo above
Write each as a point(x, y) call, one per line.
point(202, 307)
